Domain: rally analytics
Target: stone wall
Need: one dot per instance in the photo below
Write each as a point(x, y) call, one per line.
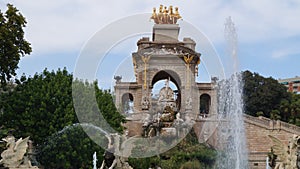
point(134, 128)
point(257, 131)
point(259, 144)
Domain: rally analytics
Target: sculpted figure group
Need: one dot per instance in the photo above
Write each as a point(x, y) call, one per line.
point(165, 16)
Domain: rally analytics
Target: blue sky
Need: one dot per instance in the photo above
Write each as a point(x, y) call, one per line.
point(268, 31)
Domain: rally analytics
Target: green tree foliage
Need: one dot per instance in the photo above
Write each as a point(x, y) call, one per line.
point(266, 97)
point(91, 102)
point(186, 154)
point(262, 94)
point(191, 165)
point(12, 42)
point(42, 105)
point(292, 108)
point(39, 106)
point(70, 149)
point(275, 115)
point(109, 110)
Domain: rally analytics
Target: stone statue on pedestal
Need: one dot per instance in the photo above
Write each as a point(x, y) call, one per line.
point(111, 160)
point(168, 115)
point(166, 93)
point(14, 156)
point(145, 103)
point(178, 120)
point(167, 97)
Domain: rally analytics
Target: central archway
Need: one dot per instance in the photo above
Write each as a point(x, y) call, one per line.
point(175, 84)
point(165, 74)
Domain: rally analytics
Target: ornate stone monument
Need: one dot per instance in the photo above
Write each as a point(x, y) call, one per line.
point(165, 57)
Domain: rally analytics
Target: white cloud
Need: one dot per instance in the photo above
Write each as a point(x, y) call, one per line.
point(284, 52)
point(66, 25)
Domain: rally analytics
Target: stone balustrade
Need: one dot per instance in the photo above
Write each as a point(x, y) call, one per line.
point(272, 124)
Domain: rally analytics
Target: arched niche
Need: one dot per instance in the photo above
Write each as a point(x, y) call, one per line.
point(205, 103)
point(127, 103)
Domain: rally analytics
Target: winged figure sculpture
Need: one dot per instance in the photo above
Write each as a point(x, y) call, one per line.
point(13, 156)
point(286, 154)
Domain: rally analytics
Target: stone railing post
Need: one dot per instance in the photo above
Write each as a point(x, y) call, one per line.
point(278, 124)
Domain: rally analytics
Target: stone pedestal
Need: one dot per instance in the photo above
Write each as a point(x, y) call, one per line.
point(165, 32)
point(168, 131)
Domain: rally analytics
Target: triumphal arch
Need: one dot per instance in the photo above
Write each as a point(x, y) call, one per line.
point(165, 57)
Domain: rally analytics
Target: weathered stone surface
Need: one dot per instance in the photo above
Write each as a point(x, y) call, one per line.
point(258, 142)
point(168, 131)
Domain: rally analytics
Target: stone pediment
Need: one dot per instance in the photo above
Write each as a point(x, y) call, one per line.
point(165, 50)
point(168, 48)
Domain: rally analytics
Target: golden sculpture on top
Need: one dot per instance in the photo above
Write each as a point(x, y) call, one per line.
point(165, 16)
